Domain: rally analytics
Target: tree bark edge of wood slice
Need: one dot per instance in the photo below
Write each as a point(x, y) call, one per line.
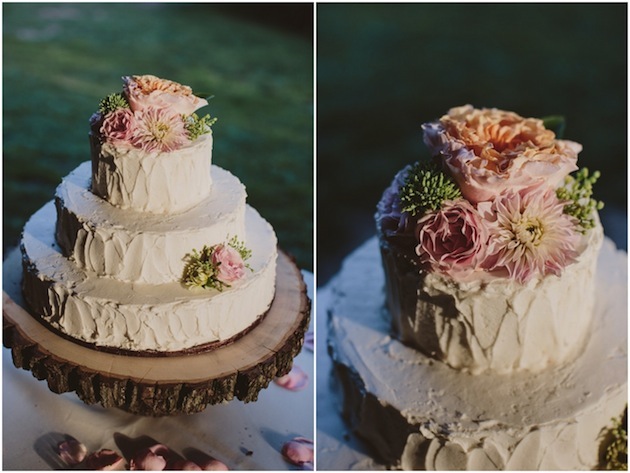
point(33, 348)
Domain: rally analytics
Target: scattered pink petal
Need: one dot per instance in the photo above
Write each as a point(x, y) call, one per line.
point(299, 451)
point(183, 465)
point(208, 463)
point(104, 459)
point(71, 451)
point(296, 380)
point(153, 458)
point(309, 341)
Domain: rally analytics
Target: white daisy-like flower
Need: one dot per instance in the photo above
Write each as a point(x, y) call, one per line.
point(529, 234)
point(158, 130)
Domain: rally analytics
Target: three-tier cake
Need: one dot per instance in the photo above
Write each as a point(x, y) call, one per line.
point(149, 248)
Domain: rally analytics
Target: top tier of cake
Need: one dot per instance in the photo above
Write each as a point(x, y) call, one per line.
point(490, 249)
point(150, 151)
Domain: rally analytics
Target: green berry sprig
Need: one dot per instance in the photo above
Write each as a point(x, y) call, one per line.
point(111, 103)
point(196, 126)
point(426, 188)
point(577, 191)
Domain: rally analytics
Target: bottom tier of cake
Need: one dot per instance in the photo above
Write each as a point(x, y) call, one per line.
point(417, 413)
point(143, 318)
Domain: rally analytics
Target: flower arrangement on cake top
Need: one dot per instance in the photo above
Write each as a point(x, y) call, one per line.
point(151, 114)
point(497, 198)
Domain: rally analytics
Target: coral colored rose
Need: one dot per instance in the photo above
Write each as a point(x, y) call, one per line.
point(453, 239)
point(150, 91)
point(488, 151)
point(229, 263)
point(530, 234)
point(118, 126)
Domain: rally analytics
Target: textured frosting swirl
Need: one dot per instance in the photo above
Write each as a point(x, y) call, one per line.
point(159, 182)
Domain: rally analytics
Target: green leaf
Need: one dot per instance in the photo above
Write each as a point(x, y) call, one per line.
point(555, 123)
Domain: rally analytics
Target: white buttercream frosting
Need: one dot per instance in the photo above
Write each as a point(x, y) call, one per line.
point(141, 246)
point(138, 316)
point(494, 323)
point(160, 182)
point(417, 413)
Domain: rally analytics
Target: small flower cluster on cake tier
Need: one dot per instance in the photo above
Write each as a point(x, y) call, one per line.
point(496, 203)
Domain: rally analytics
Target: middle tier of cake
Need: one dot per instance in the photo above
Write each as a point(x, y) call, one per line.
point(140, 246)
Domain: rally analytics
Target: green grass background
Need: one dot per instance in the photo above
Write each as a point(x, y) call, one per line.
point(384, 69)
point(257, 61)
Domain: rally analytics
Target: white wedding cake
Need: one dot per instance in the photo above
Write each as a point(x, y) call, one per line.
point(149, 248)
point(493, 351)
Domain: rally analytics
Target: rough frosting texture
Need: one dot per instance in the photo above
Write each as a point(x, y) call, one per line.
point(142, 317)
point(498, 324)
point(158, 182)
point(417, 413)
point(141, 246)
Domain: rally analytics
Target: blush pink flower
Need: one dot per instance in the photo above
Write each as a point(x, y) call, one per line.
point(149, 91)
point(453, 239)
point(488, 151)
point(118, 126)
point(229, 264)
point(529, 234)
point(299, 451)
point(158, 130)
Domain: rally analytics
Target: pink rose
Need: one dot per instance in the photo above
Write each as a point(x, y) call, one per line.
point(488, 151)
point(118, 126)
point(150, 91)
point(229, 263)
point(453, 239)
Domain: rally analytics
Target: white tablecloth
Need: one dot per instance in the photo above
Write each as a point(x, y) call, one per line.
point(243, 436)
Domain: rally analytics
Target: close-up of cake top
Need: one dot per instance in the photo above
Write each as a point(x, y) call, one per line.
point(150, 114)
point(496, 200)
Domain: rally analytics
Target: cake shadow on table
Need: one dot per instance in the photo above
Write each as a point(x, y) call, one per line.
point(149, 283)
point(485, 327)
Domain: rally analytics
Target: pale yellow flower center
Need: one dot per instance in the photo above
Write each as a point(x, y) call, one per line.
point(528, 232)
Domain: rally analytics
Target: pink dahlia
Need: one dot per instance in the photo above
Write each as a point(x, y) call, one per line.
point(529, 234)
point(150, 91)
point(453, 239)
point(117, 126)
point(488, 151)
point(229, 263)
point(158, 130)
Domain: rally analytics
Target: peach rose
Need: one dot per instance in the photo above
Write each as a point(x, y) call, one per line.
point(150, 91)
point(488, 151)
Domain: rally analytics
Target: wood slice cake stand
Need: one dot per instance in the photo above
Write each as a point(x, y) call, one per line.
point(159, 386)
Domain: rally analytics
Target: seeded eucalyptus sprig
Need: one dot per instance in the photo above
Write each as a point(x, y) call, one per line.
point(198, 126)
point(426, 187)
point(578, 190)
point(112, 102)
